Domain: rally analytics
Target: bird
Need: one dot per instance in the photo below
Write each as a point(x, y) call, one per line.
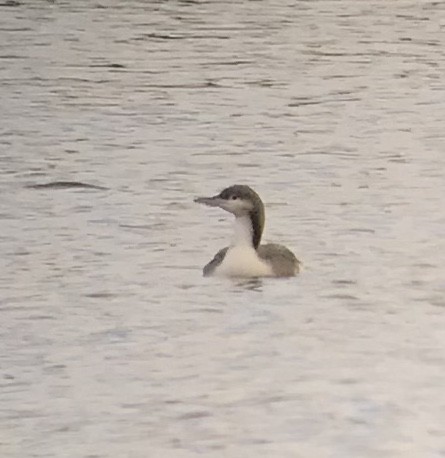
point(245, 256)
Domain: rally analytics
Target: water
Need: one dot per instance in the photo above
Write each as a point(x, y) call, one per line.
point(112, 344)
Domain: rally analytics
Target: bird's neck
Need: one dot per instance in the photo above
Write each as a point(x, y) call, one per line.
point(246, 234)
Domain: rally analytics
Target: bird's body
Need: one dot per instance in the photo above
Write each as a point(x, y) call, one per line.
point(245, 257)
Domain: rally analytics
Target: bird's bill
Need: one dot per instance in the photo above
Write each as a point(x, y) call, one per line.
point(214, 201)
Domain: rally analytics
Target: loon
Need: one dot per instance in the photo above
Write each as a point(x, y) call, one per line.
point(245, 257)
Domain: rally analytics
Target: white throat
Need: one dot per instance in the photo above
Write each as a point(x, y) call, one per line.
point(243, 232)
point(241, 259)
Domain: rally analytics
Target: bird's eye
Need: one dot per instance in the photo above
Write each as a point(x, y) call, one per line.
point(234, 197)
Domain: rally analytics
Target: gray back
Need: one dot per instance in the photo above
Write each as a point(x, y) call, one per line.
point(281, 259)
point(209, 268)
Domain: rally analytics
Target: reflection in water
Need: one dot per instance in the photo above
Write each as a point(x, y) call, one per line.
point(251, 284)
point(112, 340)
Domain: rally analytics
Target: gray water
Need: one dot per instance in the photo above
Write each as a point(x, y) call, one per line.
point(112, 344)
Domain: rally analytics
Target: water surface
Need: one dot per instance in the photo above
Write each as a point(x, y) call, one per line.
point(112, 344)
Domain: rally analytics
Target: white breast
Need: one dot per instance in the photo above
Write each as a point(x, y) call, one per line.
point(243, 261)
